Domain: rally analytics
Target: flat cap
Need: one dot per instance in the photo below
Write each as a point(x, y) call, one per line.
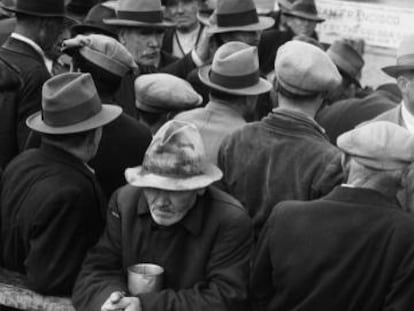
point(380, 145)
point(103, 51)
point(162, 92)
point(304, 69)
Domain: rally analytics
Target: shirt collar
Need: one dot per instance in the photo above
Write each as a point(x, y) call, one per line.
point(299, 116)
point(192, 222)
point(48, 62)
point(407, 117)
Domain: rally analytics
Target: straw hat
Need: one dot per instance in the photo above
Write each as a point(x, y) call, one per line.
point(405, 57)
point(305, 9)
point(235, 15)
point(70, 104)
point(103, 51)
point(380, 145)
point(139, 13)
point(304, 69)
point(162, 92)
point(235, 70)
point(175, 160)
point(347, 59)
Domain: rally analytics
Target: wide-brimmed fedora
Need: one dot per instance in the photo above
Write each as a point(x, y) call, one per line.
point(305, 9)
point(347, 59)
point(41, 8)
point(235, 15)
point(175, 160)
point(235, 70)
point(139, 13)
point(70, 104)
point(405, 57)
point(103, 51)
point(94, 22)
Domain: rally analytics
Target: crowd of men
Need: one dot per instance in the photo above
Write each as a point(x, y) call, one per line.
point(232, 149)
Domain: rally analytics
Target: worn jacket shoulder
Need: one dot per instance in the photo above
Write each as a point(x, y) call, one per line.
point(9, 76)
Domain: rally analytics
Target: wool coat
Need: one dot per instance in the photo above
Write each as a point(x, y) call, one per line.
point(51, 214)
point(352, 250)
point(286, 156)
point(205, 256)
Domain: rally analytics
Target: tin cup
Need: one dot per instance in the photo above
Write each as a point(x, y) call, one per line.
point(145, 278)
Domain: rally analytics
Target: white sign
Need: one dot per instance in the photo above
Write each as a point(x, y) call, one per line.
point(379, 25)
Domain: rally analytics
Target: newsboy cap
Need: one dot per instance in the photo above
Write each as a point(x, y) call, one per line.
point(103, 51)
point(379, 145)
point(162, 92)
point(304, 69)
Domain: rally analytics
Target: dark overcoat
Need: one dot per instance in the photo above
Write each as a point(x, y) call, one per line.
point(286, 156)
point(51, 214)
point(351, 250)
point(205, 256)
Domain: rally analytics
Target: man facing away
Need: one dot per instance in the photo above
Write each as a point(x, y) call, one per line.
point(287, 154)
point(352, 249)
point(51, 205)
point(169, 215)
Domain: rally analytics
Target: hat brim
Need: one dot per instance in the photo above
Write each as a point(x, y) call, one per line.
point(137, 177)
point(130, 23)
point(304, 16)
point(264, 23)
point(262, 87)
point(394, 71)
point(84, 28)
point(15, 10)
point(107, 114)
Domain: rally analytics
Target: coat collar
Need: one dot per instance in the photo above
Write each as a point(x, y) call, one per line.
point(361, 196)
point(23, 48)
point(192, 222)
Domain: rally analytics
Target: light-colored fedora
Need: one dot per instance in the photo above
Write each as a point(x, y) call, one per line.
point(347, 59)
point(380, 145)
point(175, 160)
point(162, 93)
point(103, 51)
point(235, 70)
point(285, 4)
point(70, 104)
point(304, 69)
point(139, 13)
point(235, 15)
point(305, 9)
point(405, 57)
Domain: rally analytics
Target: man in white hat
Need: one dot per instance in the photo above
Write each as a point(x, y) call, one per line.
point(169, 215)
point(352, 249)
point(287, 154)
point(403, 114)
point(235, 83)
point(52, 208)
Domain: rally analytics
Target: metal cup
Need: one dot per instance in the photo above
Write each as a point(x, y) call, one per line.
point(145, 278)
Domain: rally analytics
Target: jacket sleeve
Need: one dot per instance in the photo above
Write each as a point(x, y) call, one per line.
point(59, 240)
point(227, 276)
point(102, 272)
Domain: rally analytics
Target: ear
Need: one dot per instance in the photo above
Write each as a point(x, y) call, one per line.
point(201, 191)
point(402, 83)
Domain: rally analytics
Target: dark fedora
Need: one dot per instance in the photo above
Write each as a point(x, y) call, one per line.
point(42, 8)
point(235, 15)
point(94, 21)
point(235, 70)
point(71, 104)
point(139, 13)
point(305, 9)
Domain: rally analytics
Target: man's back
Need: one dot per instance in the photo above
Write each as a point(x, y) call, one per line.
point(351, 250)
point(284, 157)
point(51, 213)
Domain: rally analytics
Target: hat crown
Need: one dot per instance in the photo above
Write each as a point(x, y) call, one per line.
point(305, 69)
point(234, 6)
point(305, 9)
point(380, 145)
point(41, 7)
point(176, 151)
point(69, 98)
point(97, 13)
point(139, 5)
point(346, 57)
point(406, 47)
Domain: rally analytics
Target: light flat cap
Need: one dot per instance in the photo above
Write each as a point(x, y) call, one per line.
point(162, 92)
point(304, 69)
point(380, 145)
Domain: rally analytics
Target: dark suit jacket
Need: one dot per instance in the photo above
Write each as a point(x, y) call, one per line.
point(352, 250)
point(51, 214)
point(33, 73)
point(7, 26)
